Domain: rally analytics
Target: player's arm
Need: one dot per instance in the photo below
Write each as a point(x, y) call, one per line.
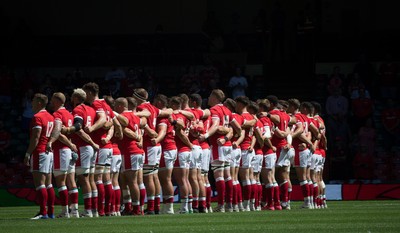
point(102, 119)
point(143, 113)
point(55, 133)
point(315, 131)
point(165, 112)
point(162, 131)
point(110, 134)
point(298, 131)
point(280, 134)
point(189, 115)
point(227, 137)
point(184, 138)
point(65, 140)
point(78, 122)
point(117, 128)
point(259, 137)
point(211, 131)
point(85, 137)
point(274, 118)
point(33, 141)
point(236, 127)
point(206, 113)
point(247, 124)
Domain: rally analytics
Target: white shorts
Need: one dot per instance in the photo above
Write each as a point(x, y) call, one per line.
point(104, 157)
point(86, 155)
point(312, 161)
point(205, 160)
point(93, 159)
point(153, 155)
point(42, 162)
point(236, 156)
point(116, 161)
point(256, 163)
point(285, 157)
point(221, 153)
point(247, 158)
point(195, 159)
point(301, 158)
point(132, 162)
point(319, 162)
point(61, 161)
point(168, 159)
point(269, 161)
point(183, 160)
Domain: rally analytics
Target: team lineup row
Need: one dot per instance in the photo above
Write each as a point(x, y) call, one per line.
point(133, 150)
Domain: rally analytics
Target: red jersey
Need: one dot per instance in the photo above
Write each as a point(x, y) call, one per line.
point(257, 148)
point(182, 147)
point(128, 145)
point(267, 125)
point(116, 150)
point(224, 116)
point(67, 119)
point(168, 143)
point(321, 146)
point(100, 105)
point(151, 120)
point(249, 132)
point(44, 121)
point(283, 124)
point(300, 119)
point(240, 121)
point(88, 116)
point(206, 125)
point(198, 114)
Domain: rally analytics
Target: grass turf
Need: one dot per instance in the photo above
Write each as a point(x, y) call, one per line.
point(341, 216)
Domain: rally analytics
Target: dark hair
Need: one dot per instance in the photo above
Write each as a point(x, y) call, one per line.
point(317, 107)
point(92, 87)
point(163, 99)
point(196, 98)
point(253, 107)
point(230, 104)
point(243, 100)
point(272, 99)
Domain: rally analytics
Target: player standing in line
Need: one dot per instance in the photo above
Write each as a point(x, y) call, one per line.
point(197, 128)
point(62, 150)
point(301, 144)
point(269, 152)
point(257, 162)
point(247, 151)
point(166, 136)
point(84, 115)
point(322, 147)
point(221, 146)
point(184, 146)
point(152, 153)
point(236, 157)
point(133, 155)
point(38, 156)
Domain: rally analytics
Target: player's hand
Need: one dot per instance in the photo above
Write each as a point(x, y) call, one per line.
point(88, 129)
point(48, 148)
point(74, 148)
point(202, 138)
point(140, 145)
point(96, 147)
point(250, 149)
point(64, 130)
point(221, 141)
point(153, 141)
point(234, 145)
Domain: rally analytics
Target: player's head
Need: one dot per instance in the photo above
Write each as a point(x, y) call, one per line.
point(217, 96)
point(132, 103)
point(92, 91)
point(273, 100)
point(78, 96)
point(253, 107)
point(283, 105)
point(317, 107)
point(307, 108)
point(230, 104)
point(195, 100)
point(39, 102)
point(160, 101)
point(241, 103)
point(140, 94)
point(175, 102)
point(264, 105)
point(294, 105)
point(120, 104)
point(109, 100)
point(57, 100)
point(185, 100)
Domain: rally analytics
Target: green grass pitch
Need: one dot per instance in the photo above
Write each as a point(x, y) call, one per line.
point(341, 216)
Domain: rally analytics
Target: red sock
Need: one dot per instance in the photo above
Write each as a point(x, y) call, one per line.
point(128, 207)
point(239, 192)
point(95, 199)
point(220, 184)
point(195, 203)
point(234, 194)
point(246, 192)
point(117, 199)
point(208, 196)
point(101, 196)
point(304, 189)
point(310, 190)
point(270, 195)
point(108, 196)
point(87, 201)
point(260, 189)
point(315, 192)
point(202, 202)
point(74, 196)
point(276, 194)
point(253, 192)
point(150, 203)
point(229, 191)
point(142, 195)
point(42, 199)
point(51, 197)
point(284, 191)
point(157, 201)
point(63, 194)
